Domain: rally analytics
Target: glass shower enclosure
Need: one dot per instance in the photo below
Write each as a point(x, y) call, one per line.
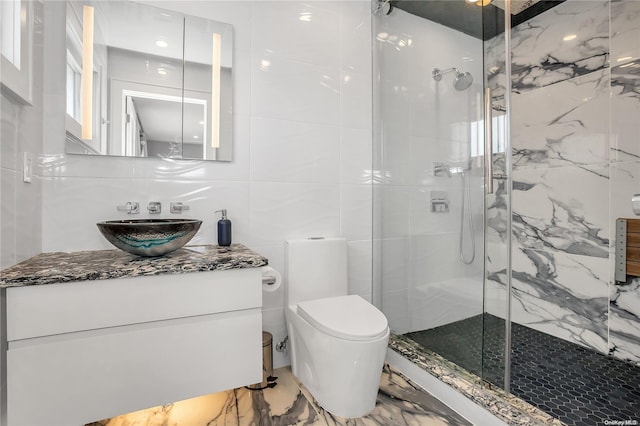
point(506, 148)
point(440, 223)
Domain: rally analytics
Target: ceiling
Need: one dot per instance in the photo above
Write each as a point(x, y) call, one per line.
point(480, 22)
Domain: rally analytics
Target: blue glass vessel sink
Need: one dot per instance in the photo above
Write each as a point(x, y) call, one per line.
point(149, 237)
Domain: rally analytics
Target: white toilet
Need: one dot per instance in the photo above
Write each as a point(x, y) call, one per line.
point(338, 342)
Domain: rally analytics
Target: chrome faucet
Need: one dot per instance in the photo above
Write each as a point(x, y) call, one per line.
point(177, 207)
point(154, 207)
point(131, 207)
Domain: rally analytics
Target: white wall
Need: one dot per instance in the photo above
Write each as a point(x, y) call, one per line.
point(302, 143)
point(21, 131)
point(422, 121)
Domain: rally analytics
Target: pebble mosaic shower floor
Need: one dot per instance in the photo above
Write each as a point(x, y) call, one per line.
point(578, 386)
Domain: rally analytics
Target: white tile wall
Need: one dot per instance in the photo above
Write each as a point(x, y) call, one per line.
point(21, 131)
point(423, 122)
point(302, 144)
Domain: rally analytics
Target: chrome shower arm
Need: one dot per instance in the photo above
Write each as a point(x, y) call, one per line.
point(438, 73)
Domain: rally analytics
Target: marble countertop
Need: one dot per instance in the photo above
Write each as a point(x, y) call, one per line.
point(58, 267)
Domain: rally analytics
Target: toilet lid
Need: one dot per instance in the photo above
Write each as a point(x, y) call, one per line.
point(347, 317)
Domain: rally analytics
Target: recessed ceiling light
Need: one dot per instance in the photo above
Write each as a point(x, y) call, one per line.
point(161, 43)
point(569, 37)
point(305, 16)
point(196, 137)
point(162, 71)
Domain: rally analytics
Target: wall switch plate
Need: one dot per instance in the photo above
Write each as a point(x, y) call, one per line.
point(27, 167)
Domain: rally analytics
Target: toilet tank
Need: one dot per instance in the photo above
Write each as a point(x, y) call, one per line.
point(315, 268)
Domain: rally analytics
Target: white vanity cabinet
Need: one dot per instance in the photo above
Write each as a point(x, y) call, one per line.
point(83, 351)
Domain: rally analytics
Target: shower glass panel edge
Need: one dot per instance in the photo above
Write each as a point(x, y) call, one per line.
point(496, 343)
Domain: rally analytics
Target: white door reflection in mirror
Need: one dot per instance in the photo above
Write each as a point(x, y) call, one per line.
point(152, 125)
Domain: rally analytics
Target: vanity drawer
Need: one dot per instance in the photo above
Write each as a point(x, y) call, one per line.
point(82, 377)
point(37, 311)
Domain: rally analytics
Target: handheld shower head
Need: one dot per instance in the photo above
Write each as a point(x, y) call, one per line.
point(461, 82)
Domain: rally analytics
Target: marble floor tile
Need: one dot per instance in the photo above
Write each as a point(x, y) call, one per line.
point(400, 402)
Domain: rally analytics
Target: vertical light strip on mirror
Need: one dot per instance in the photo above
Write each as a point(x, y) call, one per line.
point(87, 73)
point(215, 91)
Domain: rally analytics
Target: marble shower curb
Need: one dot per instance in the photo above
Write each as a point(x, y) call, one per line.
point(508, 408)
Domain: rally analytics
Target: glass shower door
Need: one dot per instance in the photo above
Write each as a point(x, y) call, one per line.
point(496, 332)
point(430, 210)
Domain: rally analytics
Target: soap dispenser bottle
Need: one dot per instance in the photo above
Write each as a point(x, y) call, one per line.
point(224, 229)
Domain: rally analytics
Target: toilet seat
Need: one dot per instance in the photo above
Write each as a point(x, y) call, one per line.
point(347, 317)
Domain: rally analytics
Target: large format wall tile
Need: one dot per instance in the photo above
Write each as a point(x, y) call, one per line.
point(561, 294)
point(562, 43)
point(277, 84)
point(544, 53)
point(309, 151)
point(624, 321)
point(624, 314)
point(625, 31)
point(283, 211)
point(564, 124)
point(292, 30)
point(625, 111)
point(562, 208)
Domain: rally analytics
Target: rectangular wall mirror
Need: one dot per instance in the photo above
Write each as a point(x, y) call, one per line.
point(147, 82)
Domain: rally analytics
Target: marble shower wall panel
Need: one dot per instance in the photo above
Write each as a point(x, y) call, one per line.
point(625, 31)
point(562, 294)
point(562, 124)
point(624, 321)
point(625, 110)
point(562, 209)
point(540, 54)
point(560, 257)
point(569, 40)
point(624, 314)
point(496, 234)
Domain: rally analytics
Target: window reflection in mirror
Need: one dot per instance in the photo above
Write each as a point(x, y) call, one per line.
point(151, 97)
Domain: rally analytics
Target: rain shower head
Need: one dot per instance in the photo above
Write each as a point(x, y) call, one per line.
point(462, 81)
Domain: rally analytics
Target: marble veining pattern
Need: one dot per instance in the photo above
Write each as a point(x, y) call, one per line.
point(625, 110)
point(624, 321)
point(400, 402)
point(563, 295)
point(562, 209)
point(624, 308)
point(563, 124)
point(625, 31)
point(540, 57)
point(512, 410)
point(57, 267)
